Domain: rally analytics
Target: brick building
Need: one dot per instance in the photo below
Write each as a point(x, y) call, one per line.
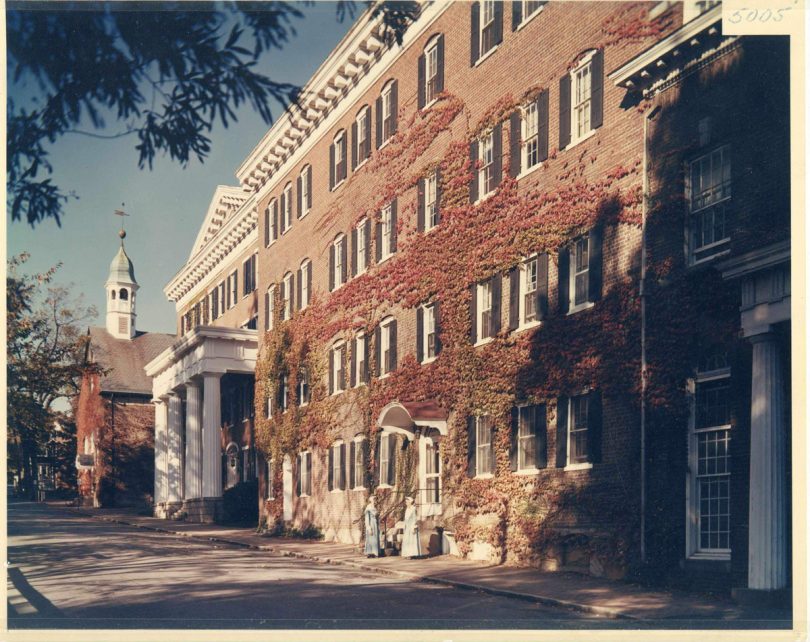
point(113, 410)
point(450, 238)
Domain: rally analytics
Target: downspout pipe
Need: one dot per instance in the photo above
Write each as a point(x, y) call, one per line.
point(643, 294)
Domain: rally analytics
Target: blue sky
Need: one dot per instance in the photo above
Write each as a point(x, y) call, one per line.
point(167, 204)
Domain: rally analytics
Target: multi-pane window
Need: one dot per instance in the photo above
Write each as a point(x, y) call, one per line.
point(432, 472)
point(581, 103)
point(388, 349)
point(270, 308)
point(361, 247)
point(221, 289)
point(485, 300)
point(304, 472)
point(579, 270)
point(304, 280)
point(359, 480)
point(305, 181)
point(249, 275)
point(283, 393)
point(232, 287)
point(578, 430)
point(486, 161)
point(429, 319)
point(709, 193)
point(388, 107)
point(385, 459)
point(530, 7)
point(487, 29)
point(710, 463)
point(340, 261)
point(287, 306)
point(526, 438)
point(336, 462)
point(387, 221)
point(432, 72)
point(362, 142)
point(360, 358)
point(483, 445)
point(528, 291)
point(431, 201)
point(529, 135)
point(303, 387)
point(339, 147)
point(286, 208)
point(338, 372)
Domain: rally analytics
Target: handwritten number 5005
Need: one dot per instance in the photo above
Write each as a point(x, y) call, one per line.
point(757, 15)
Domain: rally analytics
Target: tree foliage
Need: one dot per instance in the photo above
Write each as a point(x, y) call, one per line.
point(45, 348)
point(165, 77)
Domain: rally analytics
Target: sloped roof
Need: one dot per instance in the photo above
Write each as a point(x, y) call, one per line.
point(226, 200)
point(123, 360)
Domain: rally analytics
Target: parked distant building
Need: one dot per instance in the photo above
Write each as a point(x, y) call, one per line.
point(113, 411)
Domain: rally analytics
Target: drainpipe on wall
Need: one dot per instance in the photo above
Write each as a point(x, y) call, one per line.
point(648, 116)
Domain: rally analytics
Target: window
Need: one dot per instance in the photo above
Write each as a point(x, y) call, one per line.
point(485, 309)
point(388, 346)
point(361, 134)
point(386, 220)
point(303, 387)
point(428, 345)
point(428, 202)
point(387, 113)
point(337, 373)
point(708, 195)
point(269, 307)
point(529, 282)
point(337, 260)
point(305, 474)
point(526, 437)
point(581, 99)
point(305, 191)
point(486, 160)
point(358, 463)
point(222, 298)
point(337, 166)
point(233, 283)
point(487, 33)
point(248, 464)
point(579, 271)
point(525, 10)
point(252, 323)
point(387, 456)
point(430, 79)
point(214, 303)
point(433, 488)
point(304, 282)
point(337, 466)
point(360, 361)
point(283, 392)
point(271, 223)
point(530, 148)
point(709, 480)
point(286, 208)
point(480, 454)
point(361, 247)
point(287, 287)
point(694, 8)
point(578, 430)
point(248, 275)
point(269, 471)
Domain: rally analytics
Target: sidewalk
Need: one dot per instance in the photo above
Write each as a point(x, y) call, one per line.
point(604, 597)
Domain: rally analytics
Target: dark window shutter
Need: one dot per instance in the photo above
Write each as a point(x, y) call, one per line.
point(331, 266)
point(267, 310)
point(542, 125)
point(343, 466)
point(367, 233)
point(298, 476)
point(517, 13)
point(514, 144)
point(474, 167)
point(474, 313)
point(283, 212)
point(597, 88)
point(375, 474)
point(438, 323)
point(298, 203)
point(309, 474)
point(595, 263)
point(475, 25)
point(470, 446)
point(331, 370)
point(367, 143)
point(267, 226)
point(378, 241)
point(342, 356)
point(298, 285)
point(595, 426)
point(292, 292)
point(354, 145)
point(563, 270)
point(343, 172)
point(438, 194)
point(309, 187)
point(275, 220)
point(496, 303)
point(392, 340)
point(332, 180)
point(378, 121)
point(392, 459)
point(440, 63)
point(366, 345)
point(352, 449)
point(309, 282)
point(540, 446)
point(353, 362)
point(394, 107)
point(377, 350)
point(562, 431)
point(565, 111)
point(283, 290)
point(366, 447)
point(498, 22)
point(343, 263)
point(492, 463)
point(394, 234)
point(331, 474)
point(420, 314)
point(497, 149)
point(354, 252)
point(513, 440)
point(514, 300)
point(420, 204)
point(421, 81)
point(542, 286)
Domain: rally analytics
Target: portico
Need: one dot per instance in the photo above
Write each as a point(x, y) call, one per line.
point(186, 394)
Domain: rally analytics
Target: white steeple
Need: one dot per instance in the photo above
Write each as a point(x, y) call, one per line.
point(120, 292)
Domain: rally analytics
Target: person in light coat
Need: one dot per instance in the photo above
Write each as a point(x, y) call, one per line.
point(410, 535)
point(372, 520)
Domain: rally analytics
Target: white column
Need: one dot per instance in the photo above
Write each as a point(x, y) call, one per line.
point(211, 440)
point(767, 523)
point(174, 477)
point(193, 486)
point(161, 452)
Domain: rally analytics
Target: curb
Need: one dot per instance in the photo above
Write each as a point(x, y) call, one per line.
point(603, 611)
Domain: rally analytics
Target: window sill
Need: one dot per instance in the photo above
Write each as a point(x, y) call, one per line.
point(429, 360)
point(576, 141)
point(583, 466)
point(485, 476)
point(384, 486)
point(303, 405)
point(384, 259)
point(580, 308)
point(529, 171)
point(486, 55)
point(302, 496)
point(385, 142)
point(385, 375)
point(694, 264)
point(528, 326)
point(481, 199)
point(336, 393)
point(720, 556)
point(525, 472)
point(526, 21)
point(431, 228)
point(482, 342)
point(335, 490)
point(338, 184)
point(430, 103)
point(361, 163)
point(303, 214)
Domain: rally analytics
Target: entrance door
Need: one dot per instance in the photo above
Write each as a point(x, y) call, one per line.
point(287, 480)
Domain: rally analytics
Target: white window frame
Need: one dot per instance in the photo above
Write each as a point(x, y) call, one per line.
point(526, 15)
point(304, 472)
point(525, 270)
point(485, 296)
point(222, 306)
point(529, 136)
point(233, 284)
point(360, 250)
point(581, 100)
point(269, 468)
point(523, 439)
point(359, 463)
point(693, 548)
point(284, 388)
point(339, 260)
point(584, 463)
point(360, 124)
point(306, 265)
point(429, 506)
point(483, 447)
point(385, 347)
point(275, 234)
point(303, 387)
point(385, 460)
point(386, 221)
point(486, 161)
point(338, 363)
point(359, 347)
point(387, 108)
point(712, 202)
point(286, 214)
point(431, 53)
point(431, 201)
point(483, 23)
point(287, 310)
point(428, 327)
point(574, 271)
point(271, 308)
point(337, 469)
point(336, 143)
point(305, 173)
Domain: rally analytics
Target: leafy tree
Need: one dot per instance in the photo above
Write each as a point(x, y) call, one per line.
point(45, 349)
point(164, 76)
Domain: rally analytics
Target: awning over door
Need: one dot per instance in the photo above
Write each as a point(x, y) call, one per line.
point(410, 417)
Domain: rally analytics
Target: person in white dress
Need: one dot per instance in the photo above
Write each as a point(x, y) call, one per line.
point(372, 520)
point(410, 535)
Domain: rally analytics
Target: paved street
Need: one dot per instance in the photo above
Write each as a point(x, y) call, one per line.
point(76, 572)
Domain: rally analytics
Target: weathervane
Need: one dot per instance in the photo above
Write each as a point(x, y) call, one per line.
point(122, 214)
